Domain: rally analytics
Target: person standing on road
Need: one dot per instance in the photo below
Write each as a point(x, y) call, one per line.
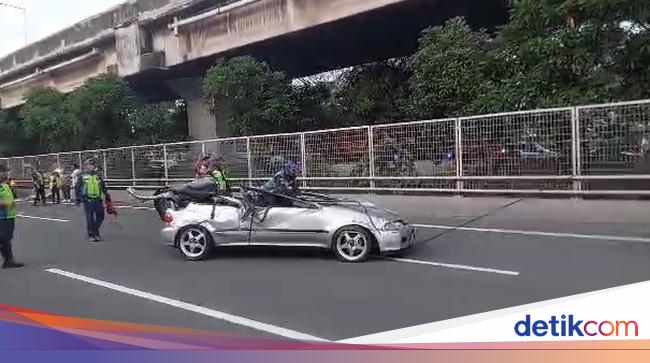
point(66, 185)
point(89, 190)
point(39, 186)
point(55, 187)
point(8, 214)
point(76, 171)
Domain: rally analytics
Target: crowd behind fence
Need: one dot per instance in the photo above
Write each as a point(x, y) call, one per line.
point(597, 149)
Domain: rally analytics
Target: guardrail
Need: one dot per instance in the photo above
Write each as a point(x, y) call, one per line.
point(595, 149)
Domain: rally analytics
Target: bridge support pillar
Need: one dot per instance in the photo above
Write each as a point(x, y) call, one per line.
point(202, 124)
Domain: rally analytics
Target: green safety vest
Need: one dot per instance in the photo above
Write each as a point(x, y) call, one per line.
point(221, 178)
point(93, 186)
point(7, 196)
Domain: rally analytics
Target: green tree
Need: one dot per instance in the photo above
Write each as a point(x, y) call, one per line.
point(154, 123)
point(372, 93)
point(253, 97)
point(101, 108)
point(315, 104)
point(46, 122)
point(448, 70)
point(13, 140)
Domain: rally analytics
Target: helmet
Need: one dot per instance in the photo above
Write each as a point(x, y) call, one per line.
point(291, 168)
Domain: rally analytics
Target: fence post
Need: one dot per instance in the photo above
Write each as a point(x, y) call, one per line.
point(166, 168)
point(105, 172)
point(576, 162)
point(371, 156)
point(58, 161)
point(81, 162)
point(460, 185)
point(22, 170)
point(250, 161)
point(202, 149)
point(133, 167)
point(303, 159)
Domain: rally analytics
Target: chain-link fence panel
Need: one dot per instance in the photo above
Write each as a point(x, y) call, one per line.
point(118, 165)
point(149, 163)
point(181, 159)
point(69, 160)
point(519, 144)
point(268, 154)
point(44, 163)
point(340, 157)
point(235, 153)
point(417, 150)
point(16, 166)
point(615, 140)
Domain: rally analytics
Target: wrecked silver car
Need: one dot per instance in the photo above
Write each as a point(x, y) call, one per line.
point(353, 230)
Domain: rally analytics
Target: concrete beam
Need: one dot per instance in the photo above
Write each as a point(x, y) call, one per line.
point(258, 20)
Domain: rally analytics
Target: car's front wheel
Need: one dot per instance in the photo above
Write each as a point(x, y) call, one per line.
point(352, 244)
point(195, 242)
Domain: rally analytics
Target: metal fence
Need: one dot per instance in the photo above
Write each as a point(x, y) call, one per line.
point(597, 149)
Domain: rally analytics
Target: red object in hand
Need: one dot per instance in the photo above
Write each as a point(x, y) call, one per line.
point(110, 209)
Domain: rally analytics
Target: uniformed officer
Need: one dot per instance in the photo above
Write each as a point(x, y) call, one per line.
point(8, 213)
point(89, 190)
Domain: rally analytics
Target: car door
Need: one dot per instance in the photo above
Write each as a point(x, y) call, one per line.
point(228, 228)
point(295, 225)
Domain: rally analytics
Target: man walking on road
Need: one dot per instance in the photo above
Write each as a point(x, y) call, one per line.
point(89, 190)
point(8, 214)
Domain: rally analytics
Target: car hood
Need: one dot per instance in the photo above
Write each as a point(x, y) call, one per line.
point(378, 214)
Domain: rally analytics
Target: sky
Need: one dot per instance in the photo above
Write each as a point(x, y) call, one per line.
point(44, 17)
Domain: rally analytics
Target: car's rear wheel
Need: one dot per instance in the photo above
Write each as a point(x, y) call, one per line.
point(195, 242)
point(352, 244)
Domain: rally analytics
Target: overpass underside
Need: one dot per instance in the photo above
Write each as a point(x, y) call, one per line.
point(389, 32)
point(164, 52)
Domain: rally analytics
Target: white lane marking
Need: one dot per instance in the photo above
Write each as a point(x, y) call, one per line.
point(454, 266)
point(190, 307)
point(538, 233)
point(44, 219)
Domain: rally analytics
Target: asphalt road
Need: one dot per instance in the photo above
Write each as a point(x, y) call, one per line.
point(504, 253)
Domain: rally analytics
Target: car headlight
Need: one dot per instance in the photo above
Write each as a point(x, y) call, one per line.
point(393, 226)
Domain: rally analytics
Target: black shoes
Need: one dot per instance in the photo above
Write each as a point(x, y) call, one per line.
point(8, 257)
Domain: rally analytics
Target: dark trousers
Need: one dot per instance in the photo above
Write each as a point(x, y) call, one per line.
point(56, 195)
point(66, 193)
point(40, 196)
point(7, 227)
point(94, 209)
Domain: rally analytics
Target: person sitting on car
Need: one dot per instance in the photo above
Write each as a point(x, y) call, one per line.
point(217, 172)
point(284, 182)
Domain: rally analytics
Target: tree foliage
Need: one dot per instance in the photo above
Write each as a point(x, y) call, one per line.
point(254, 98)
point(101, 108)
point(448, 70)
point(372, 93)
point(46, 122)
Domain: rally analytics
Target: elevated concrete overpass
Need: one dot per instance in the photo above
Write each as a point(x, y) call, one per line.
point(164, 46)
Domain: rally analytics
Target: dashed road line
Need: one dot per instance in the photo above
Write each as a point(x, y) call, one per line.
point(454, 266)
point(538, 233)
point(44, 219)
point(234, 319)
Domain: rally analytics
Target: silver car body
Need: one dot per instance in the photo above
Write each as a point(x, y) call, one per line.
point(309, 224)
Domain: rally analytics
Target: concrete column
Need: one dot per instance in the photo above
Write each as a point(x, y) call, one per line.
point(202, 124)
